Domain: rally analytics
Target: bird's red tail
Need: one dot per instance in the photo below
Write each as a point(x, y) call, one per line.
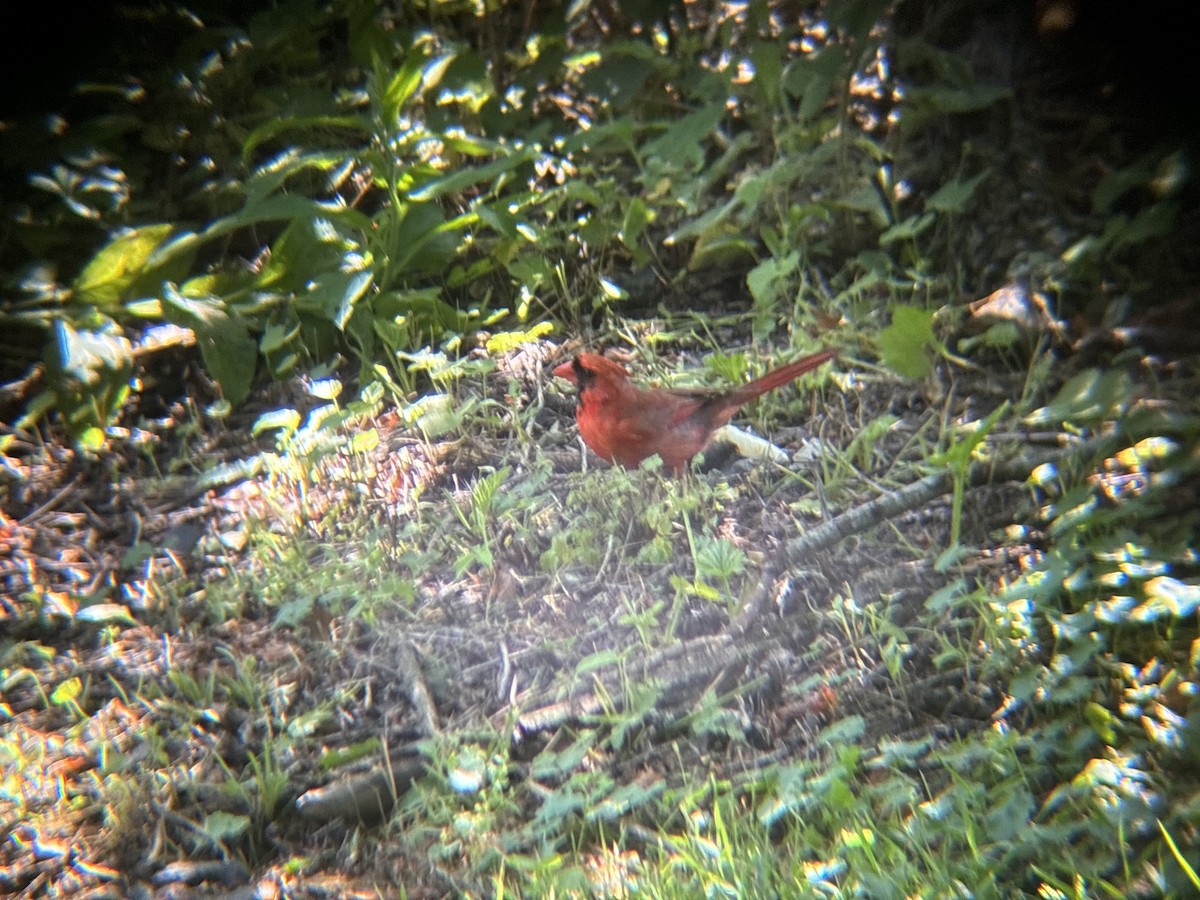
point(780, 376)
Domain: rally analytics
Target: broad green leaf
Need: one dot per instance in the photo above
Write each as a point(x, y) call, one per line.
point(286, 419)
point(719, 558)
point(954, 196)
point(844, 731)
point(282, 207)
point(812, 78)
point(925, 103)
point(682, 144)
point(464, 81)
point(498, 218)
point(903, 344)
point(1149, 224)
point(463, 178)
point(269, 178)
point(1167, 597)
point(1118, 183)
point(1009, 811)
point(730, 250)
point(856, 17)
point(335, 294)
point(294, 612)
point(402, 86)
point(305, 125)
point(1089, 396)
point(229, 352)
point(326, 389)
point(109, 275)
point(370, 46)
point(277, 336)
point(91, 439)
point(767, 57)
point(422, 242)
point(907, 229)
point(599, 660)
point(223, 826)
point(297, 256)
point(434, 414)
point(620, 75)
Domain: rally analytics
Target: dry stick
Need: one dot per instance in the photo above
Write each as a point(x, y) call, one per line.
point(369, 797)
point(881, 509)
point(410, 674)
point(679, 671)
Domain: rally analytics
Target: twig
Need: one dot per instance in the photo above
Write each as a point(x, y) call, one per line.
point(875, 512)
point(409, 671)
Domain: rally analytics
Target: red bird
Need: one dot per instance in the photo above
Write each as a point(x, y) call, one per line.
point(625, 423)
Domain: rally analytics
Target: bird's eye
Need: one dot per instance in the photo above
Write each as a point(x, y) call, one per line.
point(582, 373)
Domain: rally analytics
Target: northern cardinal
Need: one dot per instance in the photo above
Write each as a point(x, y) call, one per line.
point(625, 424)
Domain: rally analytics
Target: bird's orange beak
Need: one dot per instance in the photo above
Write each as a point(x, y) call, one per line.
point(567, 371)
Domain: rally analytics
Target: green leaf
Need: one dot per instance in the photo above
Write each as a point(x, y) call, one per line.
point(844, 731)
point(620, 75)
point(1118, 183)
point(370, 46)
point(402, 86)
point(1149, 224)
point(954, 196)
point(940, 100)
point(276, 336)
point(463, 178)
point(283, 207)
point(67, 692)
point(364, 441)
point(682, 144)
point(287, 419)
point(306, 125)
point(856, 17)
point(1167, 598)
point(1090, 396)
point(767, 57)
point(423, 242)
point(229, 352)
point(719, 558)
point(1009, 811)
point(223, 826)
point(91, 439)
point(434, 414)
point(903, 344)
point(908, 229)
point(334, 295)
point(812, 78)
point(294, 612)
point(506, 341)
point(108, 277)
